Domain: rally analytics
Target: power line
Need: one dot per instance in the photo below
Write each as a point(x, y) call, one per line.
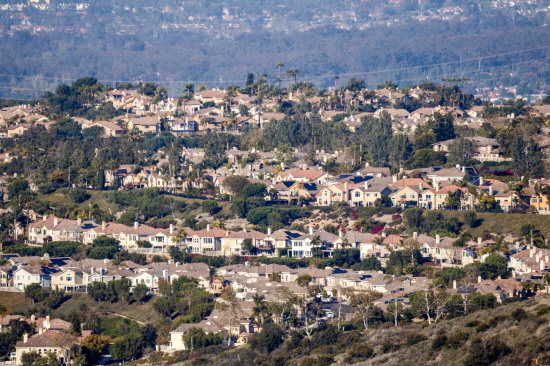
point(478, 59)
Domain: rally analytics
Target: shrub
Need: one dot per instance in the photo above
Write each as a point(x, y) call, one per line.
point(268, 339)
point(482, 327)
point(472, 323)
point(439, 341)
point(543, 311)
point(358, 353)
point(457, 339)
point(519, 314)
point(413, 338)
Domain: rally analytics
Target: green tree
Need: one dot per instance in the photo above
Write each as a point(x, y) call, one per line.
point(461, 150)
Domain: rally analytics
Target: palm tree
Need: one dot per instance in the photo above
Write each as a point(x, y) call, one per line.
point(289, 73)
point(295, 73)
point(280, 65)
point(278, 80)
point(336, 77)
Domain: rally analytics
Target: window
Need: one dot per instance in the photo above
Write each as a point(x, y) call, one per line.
point(69, 278)
point(405, 195)
point(61, 278)
point(534, 200)
point(376, 195)
point(325, 193)
point(207, 240)
point(357, 194)
point(438, 196)
point(540, 199)
point(413, 196)
point(368, 194)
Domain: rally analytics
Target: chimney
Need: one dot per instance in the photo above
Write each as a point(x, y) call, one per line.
point(537, 258)
point(532, 252)
point(103, 226)
point(463, 169)
point(340, 233)
point(490, 190)
point(499, 277)
point(47, 322)
point(454, 284)
point(92, 270)
point(136, 224)
point(44, 218)
point(415, 235)
point(438, 186)
point(367, 184)
point(513, 273)
point(79, 221)
point(227, 233)
point(542, 265)
point(208, 227)
point(480, 181)
point(177, 264)
point(171, 228)
point(55, 221)
point(421, 186)
point(311, 230)
point(394, 178)
point(269, 231)
point(165, 274)
point(479, 240)
point(25, 338)
point(437, 239)
point(478, 279)
point(244, 229)
point(457, 166)
point(33, 318)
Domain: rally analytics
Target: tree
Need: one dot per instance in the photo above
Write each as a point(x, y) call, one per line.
point(94, 346)
point(304, 280)
point(461, 150)
point(230, 307)
point(140, 292)
point(470, 218)
point(35, 292)
point(248, 247)
point(75, 325)
point(235, 184)
point(209, 206)
point(362, 301)
point(196, 338)
point(128, 347)
point(269, 339)
point(400, 149)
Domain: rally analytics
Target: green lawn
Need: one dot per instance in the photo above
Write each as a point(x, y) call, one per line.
point(503, 224)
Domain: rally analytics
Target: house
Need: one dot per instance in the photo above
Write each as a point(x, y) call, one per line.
point(205, 240)
point(6, 275)
point(207, 325)
point(232, 242)
point(183, 126)
point(110, 129)
point(58, 229)
point(145, 124)
point(42, 275)
point(372, 171)
point(302, 175)
point(68, 279)
point(450, 174)
point(191, 106)
point(420, 195)
point(486, 149)
point(210, 95)
point(18, 130)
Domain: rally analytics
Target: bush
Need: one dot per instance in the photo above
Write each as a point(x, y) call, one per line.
point(358, 353)
point(439, 341)
point(519, 314)
point(79, 195)
point(458, 339)
point(413, 338)
point(543, 311)
point(472, 323)
point(268, 339)
point(482, 327)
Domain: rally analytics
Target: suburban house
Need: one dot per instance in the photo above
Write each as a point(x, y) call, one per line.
point(42, 275)
point(110, 129)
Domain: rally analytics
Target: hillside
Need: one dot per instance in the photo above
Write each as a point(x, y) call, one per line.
point(504, 224)
point(140, 313)
point(506, 335)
